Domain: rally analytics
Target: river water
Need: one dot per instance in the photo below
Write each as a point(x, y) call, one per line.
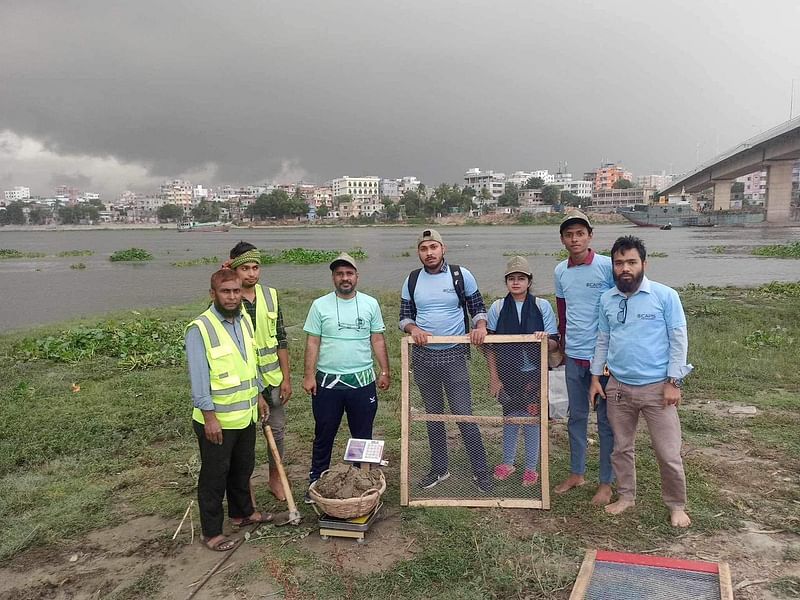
point(46, 290)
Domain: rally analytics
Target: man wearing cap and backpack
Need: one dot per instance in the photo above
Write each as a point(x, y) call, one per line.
point(344, 328)
point(437, 300)
point(579, 282)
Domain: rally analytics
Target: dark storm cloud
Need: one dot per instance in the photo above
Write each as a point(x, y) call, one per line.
point(365, 87)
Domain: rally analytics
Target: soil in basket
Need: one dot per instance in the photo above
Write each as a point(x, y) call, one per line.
point(344, 481)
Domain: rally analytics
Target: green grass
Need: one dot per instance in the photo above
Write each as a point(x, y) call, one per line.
point(193, 262)
point(70, 459)
point(790, 250)
point(10, 253)
point(131, 255)
point(78, 266)
point(75, 253)
point(306, 256)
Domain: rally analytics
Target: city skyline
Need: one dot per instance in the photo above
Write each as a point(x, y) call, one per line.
point(108, 98)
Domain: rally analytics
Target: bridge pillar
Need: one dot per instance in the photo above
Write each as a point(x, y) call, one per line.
point(779, 192)
point(722, 195)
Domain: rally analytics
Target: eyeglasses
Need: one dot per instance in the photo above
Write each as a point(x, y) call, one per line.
point(359, 324)
point(623, 310)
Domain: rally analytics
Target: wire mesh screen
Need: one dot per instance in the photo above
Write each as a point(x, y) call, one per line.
point(623, 576)
point(475, 423)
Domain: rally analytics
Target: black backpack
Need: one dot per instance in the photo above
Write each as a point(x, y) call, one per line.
point(458, 284)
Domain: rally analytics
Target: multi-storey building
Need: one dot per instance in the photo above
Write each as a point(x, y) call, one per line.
point(656, 181)
point(390, 188)
point(323, 196)
point(578, 187)
point(755, 186)
point(607, 175)
point(178, 192)
point(360, 208)
point(17, 194)
point(520, 178)
point(199, 193)
point(494, 183)
point(611, 199)
point(530, 201)
point(359, 188)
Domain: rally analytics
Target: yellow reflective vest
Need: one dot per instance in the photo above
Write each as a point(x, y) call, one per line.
point(234, 387)
point(266, 336)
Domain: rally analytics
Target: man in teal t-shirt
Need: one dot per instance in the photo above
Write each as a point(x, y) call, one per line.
point(344, 328)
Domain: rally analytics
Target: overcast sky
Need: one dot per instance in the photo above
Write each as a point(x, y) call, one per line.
point(113, 95)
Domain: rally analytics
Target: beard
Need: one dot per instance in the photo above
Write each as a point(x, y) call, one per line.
point(629, 286)
point(228, 313)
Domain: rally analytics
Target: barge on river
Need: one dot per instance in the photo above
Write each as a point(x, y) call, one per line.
point(683, 215)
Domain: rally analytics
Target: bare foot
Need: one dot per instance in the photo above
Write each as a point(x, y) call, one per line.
point(679, 518)
point(603, 495)
point(619, 506)
point(276, 488)
point(570, 482)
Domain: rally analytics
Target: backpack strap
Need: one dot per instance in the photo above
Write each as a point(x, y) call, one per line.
point(412, 286)
point(458, 284)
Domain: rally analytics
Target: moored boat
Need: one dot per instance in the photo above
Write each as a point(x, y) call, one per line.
point(671, 215)
point(195, 226)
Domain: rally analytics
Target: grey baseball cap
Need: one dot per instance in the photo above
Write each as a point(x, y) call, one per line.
point(429, 235)
point(343, 258)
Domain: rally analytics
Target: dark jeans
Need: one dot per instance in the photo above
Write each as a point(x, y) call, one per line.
point(439, 373)
point(225, 469)
point(360, 404)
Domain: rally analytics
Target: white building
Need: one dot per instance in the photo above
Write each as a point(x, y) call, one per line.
point(658, 181)
point(579, 187)
point(390, 188)
point(88, 197)
point(360, 188)
point(494, 183)
point(17, 194)
point(520, 178)
point(199, 193)
point(323, 196)
point(408, 184)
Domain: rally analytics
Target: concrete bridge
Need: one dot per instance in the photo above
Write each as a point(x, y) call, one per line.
point(775, 150)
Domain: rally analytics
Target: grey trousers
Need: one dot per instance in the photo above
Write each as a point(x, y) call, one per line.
point(625, 403)
point(277, 419)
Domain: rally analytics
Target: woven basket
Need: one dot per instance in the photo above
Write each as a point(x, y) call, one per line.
point(349, 508)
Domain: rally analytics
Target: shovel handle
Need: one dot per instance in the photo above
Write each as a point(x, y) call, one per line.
point(279, 463)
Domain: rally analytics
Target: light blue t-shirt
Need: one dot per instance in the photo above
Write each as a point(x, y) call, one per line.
point(581, 287)
point(548, 319)
point(639, 348)
point(438, 311)
point(345, 327)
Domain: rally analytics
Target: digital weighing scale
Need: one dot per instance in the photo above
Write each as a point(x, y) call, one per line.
point(365, 452)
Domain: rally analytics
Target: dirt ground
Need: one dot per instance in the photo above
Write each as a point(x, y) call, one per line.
point(119, 561)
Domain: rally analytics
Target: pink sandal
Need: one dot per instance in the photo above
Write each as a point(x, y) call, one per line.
point(529, 478)
point(503, 471)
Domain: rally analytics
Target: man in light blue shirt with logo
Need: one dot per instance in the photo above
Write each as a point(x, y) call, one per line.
point(437, 300)
point(579, 282)
point(344, 328)
point(643, 339)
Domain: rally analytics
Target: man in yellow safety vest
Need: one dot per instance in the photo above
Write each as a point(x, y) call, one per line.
point(227, 397)
point(272, 348)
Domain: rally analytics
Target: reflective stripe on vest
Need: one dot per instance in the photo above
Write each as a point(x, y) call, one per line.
point(234, 382)
point(265, 336)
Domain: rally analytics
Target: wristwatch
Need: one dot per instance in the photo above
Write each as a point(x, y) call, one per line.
point(678, 383)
